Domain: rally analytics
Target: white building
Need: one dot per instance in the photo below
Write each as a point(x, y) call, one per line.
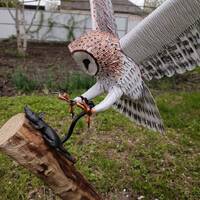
point(68, 22)
point(50, 5)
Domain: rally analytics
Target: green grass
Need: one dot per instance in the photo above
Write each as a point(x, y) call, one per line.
point(25, 85)
point(115, 154)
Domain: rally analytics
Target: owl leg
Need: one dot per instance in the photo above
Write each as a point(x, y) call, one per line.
point(94, 91)
point(113, 95)
point(82, 101)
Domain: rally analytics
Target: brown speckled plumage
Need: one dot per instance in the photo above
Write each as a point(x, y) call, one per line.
point(102, 16)
point(105, 48)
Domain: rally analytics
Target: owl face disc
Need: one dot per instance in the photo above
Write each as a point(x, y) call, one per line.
point(86, 62)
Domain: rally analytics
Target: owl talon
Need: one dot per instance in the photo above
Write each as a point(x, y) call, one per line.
point(88, 120)
point(87, 107)
point(71, 111)
point(71, 108)
point(65, 97)
point(84, 107)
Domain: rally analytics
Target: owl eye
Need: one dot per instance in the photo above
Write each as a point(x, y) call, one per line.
point(86, 62)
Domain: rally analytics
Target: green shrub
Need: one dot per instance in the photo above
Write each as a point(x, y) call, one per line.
point(50, 82)
point(23, 83)
point(76, 81)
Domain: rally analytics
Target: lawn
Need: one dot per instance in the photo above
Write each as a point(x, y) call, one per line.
point(122, 160)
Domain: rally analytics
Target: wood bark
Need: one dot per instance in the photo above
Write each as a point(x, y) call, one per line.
point(24, 144)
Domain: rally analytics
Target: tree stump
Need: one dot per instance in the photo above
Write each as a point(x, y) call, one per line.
point(24, 144)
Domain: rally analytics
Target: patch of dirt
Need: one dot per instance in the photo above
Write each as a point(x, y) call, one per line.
point(42, 193)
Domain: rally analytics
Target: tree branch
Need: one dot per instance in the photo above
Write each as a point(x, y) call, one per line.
point(23, 143)
point(36, 11)
point(10, 12)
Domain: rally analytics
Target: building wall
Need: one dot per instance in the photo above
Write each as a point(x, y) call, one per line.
point(61, 25)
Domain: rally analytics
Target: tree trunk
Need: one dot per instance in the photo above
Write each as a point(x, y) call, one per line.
point(20, 29)
point(23, 143)
point(23, 29)
point(18, 32)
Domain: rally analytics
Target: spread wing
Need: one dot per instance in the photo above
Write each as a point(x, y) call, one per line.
point(143, 111)
point(102, 16)
point(167, 41)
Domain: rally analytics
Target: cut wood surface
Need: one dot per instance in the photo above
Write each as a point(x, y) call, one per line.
point(24, 144)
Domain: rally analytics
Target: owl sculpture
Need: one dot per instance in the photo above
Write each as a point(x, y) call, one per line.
point(165, 43)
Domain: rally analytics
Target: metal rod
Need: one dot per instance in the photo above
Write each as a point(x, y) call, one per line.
point(73, 124)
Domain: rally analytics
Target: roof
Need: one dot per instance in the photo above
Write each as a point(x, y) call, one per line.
point(119, 6)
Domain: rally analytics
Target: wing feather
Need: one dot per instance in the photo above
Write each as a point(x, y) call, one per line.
point(167, 41)
point(143, 111)
point(102, 16)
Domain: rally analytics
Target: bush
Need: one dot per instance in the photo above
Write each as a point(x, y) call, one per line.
point(77, 81)
point(74, 81)
point(23, 83)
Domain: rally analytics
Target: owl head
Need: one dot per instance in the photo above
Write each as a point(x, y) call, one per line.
point(95, 51)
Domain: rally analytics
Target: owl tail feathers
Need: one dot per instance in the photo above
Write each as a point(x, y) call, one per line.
point(143, 111)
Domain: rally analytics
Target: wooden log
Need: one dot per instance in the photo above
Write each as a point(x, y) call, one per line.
point(24, 144)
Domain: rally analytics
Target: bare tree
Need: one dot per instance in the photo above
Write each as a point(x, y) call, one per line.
point(18, 16)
